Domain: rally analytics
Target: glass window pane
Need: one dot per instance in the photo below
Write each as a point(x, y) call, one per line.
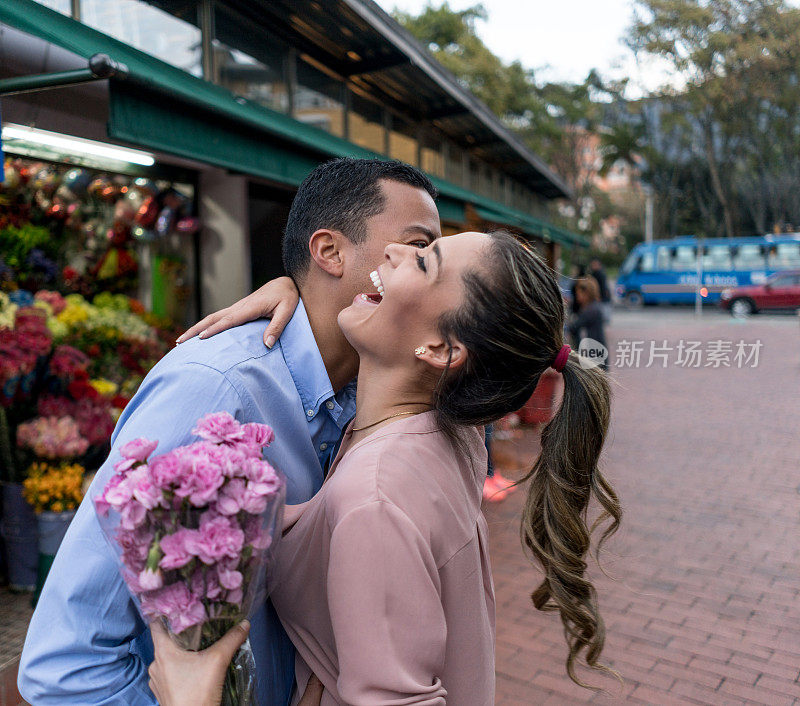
point(318, 99)
point(648, 261)
point(248, 63)
point(684, 259)
point(62, 6)
point(454, 166)
point(749, 257)
point(175, 40)
point(663, 258)
point(366, 124)
point(402, 141)
point(784, 255)
point(718, 257)
point(432, 157)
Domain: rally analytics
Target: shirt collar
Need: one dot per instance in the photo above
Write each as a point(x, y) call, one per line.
point(305, 364)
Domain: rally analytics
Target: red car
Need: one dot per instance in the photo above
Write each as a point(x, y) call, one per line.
point(780, 291)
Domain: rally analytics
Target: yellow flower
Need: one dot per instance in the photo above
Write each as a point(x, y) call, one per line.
point(44, 306)
point(104, 387)
point(54, 487)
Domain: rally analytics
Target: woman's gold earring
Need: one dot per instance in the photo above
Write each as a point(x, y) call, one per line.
point(420, 351)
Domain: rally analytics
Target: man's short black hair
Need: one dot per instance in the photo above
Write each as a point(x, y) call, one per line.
point(341, 195)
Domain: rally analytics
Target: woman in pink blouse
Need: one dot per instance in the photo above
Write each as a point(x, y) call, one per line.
point(383, 580)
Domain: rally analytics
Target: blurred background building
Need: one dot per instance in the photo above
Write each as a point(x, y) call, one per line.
point(240, 99)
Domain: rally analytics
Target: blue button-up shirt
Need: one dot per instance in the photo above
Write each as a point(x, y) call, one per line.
point(87, 643)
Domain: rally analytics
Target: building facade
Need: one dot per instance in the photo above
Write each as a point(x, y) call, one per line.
point(240, 99)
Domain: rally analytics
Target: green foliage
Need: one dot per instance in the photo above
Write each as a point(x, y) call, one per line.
point(731, 141)
point(16, 243)
point(720, 146)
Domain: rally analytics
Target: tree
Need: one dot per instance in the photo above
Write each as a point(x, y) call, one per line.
point(739, 64)
point(556, 120)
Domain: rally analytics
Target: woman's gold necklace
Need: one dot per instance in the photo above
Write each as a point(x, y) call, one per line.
point(385, 419)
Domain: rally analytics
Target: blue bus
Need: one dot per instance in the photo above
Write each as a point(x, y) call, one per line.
point(668, 271)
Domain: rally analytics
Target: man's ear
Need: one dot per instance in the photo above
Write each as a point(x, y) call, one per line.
point(438, 353)
point(325, 248)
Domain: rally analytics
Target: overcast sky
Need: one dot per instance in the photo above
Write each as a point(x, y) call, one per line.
point(562, 39)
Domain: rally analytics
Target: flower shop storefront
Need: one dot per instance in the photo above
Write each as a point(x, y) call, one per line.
point(96, 280)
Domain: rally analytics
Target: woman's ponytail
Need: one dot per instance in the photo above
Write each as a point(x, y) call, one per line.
point(511, 322)
point(554, 522)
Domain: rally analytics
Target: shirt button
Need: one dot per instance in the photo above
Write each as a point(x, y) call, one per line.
point(310, 412)
point(329, 404)
point(322, 447)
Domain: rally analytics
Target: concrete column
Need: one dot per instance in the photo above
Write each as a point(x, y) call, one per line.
point(225, 274)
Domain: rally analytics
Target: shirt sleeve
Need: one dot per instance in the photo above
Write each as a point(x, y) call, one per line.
point(386, 610)
point(86, 642)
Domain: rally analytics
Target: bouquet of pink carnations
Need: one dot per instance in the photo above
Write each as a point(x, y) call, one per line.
point(194, 529)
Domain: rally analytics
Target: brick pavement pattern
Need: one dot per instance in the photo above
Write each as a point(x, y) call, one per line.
point(703, 606)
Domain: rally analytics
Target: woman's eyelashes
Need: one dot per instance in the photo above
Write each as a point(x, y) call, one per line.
point(421, 263)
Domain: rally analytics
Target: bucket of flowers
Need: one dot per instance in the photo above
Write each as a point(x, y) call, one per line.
point(54, 490)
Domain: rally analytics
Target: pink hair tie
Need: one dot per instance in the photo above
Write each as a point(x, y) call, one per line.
point(561, 359)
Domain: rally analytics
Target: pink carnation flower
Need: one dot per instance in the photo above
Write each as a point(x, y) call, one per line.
point(135, 546)
point(229, 578)
point(205, 583)
point(201, 484)
point(255, 534)
point(176, 549)
point(132, 515)
point(258, 435)
point(177, 604)
point(219, 427)
point(150, 580)
point(144, 490)
point(138, 449)
point(234, 596)
point(168, 469)
point(230, 498)
point(217, 538)
point(118, 492)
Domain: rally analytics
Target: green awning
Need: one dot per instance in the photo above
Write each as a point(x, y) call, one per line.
point(161, 107)
point(450, 210)
point(530, 225)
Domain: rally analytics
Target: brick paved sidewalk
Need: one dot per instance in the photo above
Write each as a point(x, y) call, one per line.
point(704, 605)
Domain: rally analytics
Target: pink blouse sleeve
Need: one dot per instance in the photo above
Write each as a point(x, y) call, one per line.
point(386, 610)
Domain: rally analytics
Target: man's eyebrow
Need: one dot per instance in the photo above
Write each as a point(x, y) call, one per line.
point(427, 232)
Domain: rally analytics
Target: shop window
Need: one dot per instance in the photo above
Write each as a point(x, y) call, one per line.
point(62, 6)
point(402, 143)
point(366, 124)
point(318, 99)
point(250, 64)
point(173, 38)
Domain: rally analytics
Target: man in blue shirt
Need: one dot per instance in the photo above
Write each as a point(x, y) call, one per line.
point(87, 643)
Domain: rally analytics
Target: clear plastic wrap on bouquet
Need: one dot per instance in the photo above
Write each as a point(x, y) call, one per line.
point(194, 529)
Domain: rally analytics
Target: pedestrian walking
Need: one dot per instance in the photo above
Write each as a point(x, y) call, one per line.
point(589, 321)
point(598, 272)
